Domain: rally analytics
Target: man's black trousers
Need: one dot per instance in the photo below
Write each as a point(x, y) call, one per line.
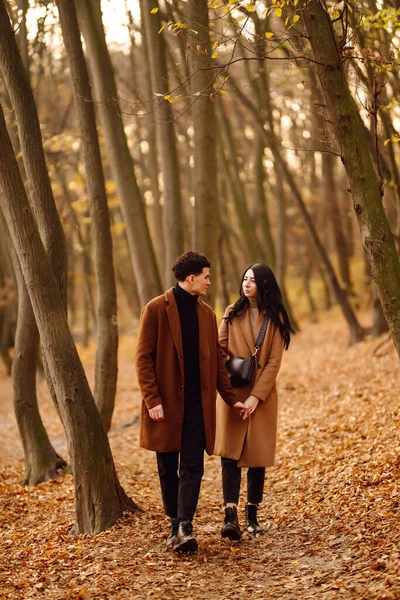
point(181, 472)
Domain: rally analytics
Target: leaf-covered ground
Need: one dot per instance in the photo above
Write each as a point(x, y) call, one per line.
point(331, 505)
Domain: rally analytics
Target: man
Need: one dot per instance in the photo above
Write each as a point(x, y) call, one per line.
point(179, 366)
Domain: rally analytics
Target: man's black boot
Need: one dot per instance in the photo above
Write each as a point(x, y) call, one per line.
point(184, 541)
point(174, 531)
point(231, 529)
point(251, 519)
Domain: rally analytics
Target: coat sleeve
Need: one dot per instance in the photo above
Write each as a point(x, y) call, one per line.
point(224, 387)
point(146, 357)
point(267, 379)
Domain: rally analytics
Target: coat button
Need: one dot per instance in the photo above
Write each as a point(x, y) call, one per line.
point(258, 366)
point(181, 386)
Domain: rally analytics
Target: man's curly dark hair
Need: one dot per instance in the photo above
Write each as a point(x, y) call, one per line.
point(189, 263)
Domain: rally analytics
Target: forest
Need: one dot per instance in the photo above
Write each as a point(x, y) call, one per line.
point(251, 131)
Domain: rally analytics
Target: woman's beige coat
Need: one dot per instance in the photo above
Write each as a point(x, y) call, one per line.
point(251, 442)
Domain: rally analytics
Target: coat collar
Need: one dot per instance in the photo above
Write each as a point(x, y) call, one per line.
point(175, 323)
point(250, 333)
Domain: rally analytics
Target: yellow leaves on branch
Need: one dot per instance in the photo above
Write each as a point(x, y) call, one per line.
point(277, 8)
point(214, 54)
point(394, 140)
point(170, 99)
point(175, 27)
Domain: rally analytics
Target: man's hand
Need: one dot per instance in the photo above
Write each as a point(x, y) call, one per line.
point(242, 408)
point(157, 413)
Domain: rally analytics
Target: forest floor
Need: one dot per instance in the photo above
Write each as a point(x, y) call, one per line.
point(331, 508)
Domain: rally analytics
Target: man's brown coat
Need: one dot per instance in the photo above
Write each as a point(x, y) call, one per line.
point(251, 442)
point(160, 373)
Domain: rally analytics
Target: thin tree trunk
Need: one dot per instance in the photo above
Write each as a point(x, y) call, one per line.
point(306, 275)
point(23, 6)
point(106, 368)
point(84, 248)
point(205, 136)
point(333, 212)
point(262, 217)
point(346, 122)
point(356, 331)
point(247, 226)
point(151, 160)
point(106, 96)
point(172, 208)
point(99, 497)
point(41, 460)
point(379, 323)
point(260, 83)
point(30, 138)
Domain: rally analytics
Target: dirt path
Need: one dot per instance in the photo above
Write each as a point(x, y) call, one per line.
point(331, 505)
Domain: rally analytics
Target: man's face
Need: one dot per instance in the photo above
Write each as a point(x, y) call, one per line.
point(199, 284)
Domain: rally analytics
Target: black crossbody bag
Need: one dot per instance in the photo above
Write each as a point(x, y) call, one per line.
point(240, 370)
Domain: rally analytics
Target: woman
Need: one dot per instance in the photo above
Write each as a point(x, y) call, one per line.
point(250, 442)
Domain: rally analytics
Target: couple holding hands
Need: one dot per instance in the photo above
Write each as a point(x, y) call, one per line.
point(180, 365)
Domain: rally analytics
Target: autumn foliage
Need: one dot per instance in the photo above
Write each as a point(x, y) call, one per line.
point(331, 505)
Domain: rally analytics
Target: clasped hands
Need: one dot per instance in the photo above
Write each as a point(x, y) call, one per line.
point(246, 409)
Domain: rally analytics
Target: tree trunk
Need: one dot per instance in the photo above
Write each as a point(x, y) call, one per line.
point(333, 212)
point(205, 137)
point(346, 122)
point(262, 217)
point(247, 226)
point(99, 497)
point(41, 460)
point(84, 246)
point(40, 192)
point(30, 138)
point(151, 159)
point(172, 208)
point(379, 323)
point(8, 308)
point(260, 84)
point(356, 331)
point(23, 44)
point(106, 368)
point(106, 97)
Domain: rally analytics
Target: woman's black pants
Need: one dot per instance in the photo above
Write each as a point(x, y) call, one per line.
point(231, 475)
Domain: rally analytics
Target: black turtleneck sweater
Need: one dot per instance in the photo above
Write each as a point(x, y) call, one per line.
point(190, 337)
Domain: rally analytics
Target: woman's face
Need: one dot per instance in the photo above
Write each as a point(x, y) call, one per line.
point(249, 286)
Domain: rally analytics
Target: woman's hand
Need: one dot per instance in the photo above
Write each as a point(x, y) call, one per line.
point(250, 406)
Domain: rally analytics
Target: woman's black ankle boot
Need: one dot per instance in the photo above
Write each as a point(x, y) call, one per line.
point(251, 519)
point(231, 529)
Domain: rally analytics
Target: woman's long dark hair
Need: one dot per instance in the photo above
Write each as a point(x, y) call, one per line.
point(269, 298)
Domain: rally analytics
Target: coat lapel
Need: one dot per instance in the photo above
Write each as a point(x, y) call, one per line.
point(245, 326)
point(175, 325)
point(257, 325)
